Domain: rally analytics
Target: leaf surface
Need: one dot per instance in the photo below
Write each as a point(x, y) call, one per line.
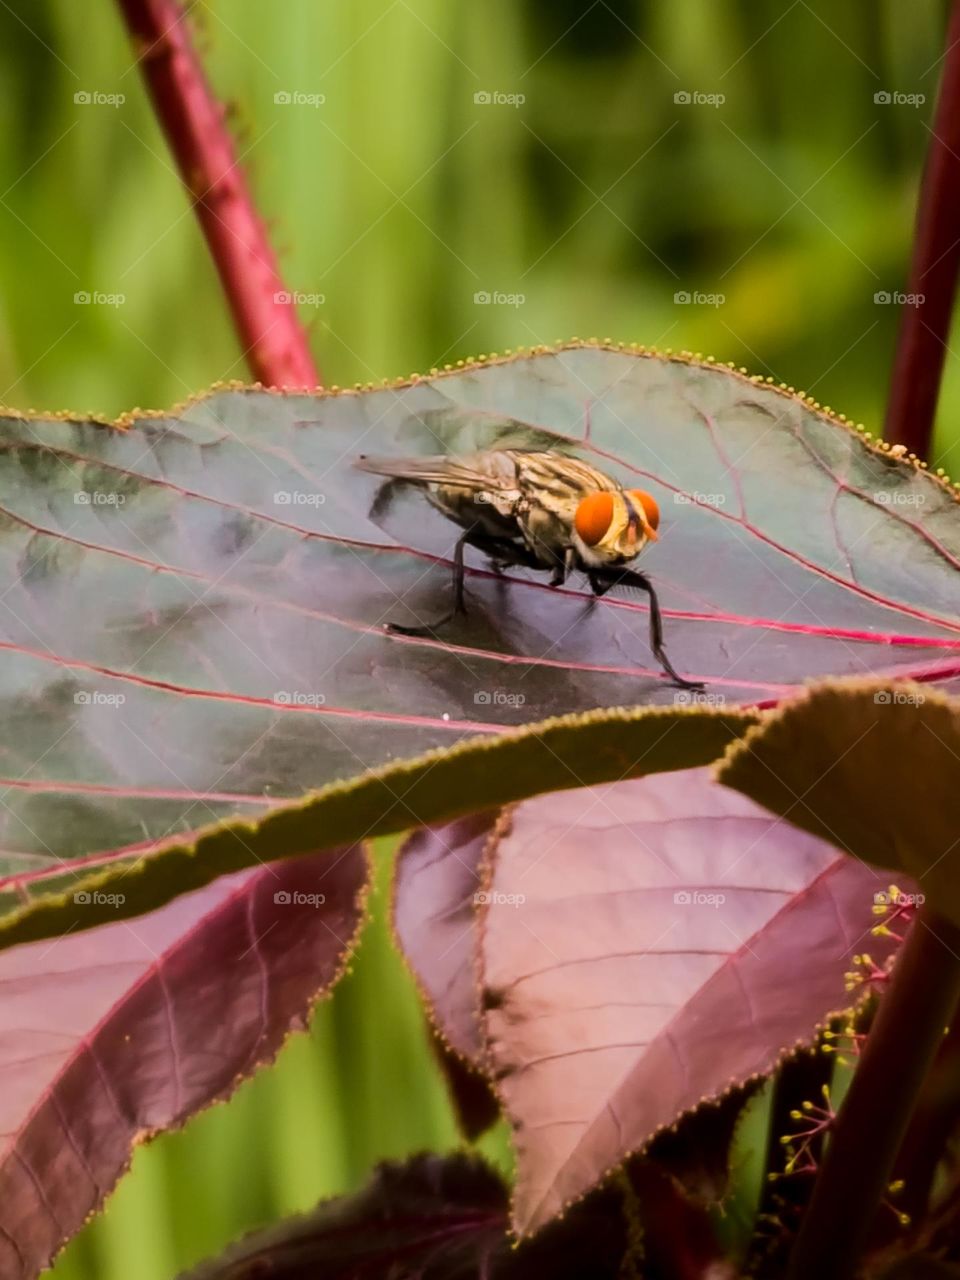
point(838, 761)
point(110, 1035)
point(193, 607)
point(646, 946)
point(437, 889)
point(433, 1218)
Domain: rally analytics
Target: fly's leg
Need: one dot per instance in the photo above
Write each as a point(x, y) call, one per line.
point(601, 582)
point(502, 552)
point(563, 568)
point(459, 604)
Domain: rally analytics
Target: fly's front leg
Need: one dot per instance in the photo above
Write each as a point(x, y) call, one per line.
point(564, 568)
point(459, 604)
point(602, 581)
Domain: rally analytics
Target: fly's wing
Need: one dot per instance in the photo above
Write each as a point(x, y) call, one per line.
point(478, 491)
point(438, 470)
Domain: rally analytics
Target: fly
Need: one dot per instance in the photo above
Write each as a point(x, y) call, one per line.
point(543, 510)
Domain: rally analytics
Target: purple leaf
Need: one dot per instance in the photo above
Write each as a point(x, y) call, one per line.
point(194, 606)
point(434, 914)
point(111, 1035)
point(433, 1218)
point(646, 946)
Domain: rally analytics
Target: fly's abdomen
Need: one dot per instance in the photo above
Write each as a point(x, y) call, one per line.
point(477, 509)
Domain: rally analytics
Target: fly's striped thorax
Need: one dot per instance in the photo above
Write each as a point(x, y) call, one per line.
point(558, 483)
point(558, 473)
point(552, 485)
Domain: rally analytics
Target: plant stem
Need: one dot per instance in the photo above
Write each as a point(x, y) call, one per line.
point(925, 326)
point(873, 1119)
point(934, 1123)
point(274, 342)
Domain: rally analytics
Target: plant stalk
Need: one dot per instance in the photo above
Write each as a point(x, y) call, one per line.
point(925, 326)
point(873, 1119)
point(274, 342)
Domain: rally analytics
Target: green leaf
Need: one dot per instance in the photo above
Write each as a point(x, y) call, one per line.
point(837, 763)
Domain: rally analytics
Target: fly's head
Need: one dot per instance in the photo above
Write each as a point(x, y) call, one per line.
point(613, 527)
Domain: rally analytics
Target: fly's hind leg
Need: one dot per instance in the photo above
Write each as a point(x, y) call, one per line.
point(459, 604)
point(602, 580)
point(502, 551)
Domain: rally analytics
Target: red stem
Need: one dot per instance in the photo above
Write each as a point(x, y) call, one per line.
point(925, 327)
point(275, 344)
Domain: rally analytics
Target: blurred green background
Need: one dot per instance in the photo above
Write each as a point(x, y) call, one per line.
point(783, 210)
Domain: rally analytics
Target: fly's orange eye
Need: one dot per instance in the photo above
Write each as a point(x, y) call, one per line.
point(594, 516)
point(648, 506)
